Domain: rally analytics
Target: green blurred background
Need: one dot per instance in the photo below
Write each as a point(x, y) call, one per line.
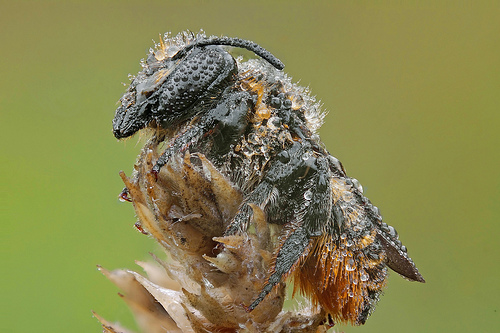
point(413, 94)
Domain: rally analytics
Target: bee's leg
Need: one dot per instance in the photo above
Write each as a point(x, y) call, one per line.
point(283, 173)
point(311, 220)
point(223, 124)
point(284, 169)
point(288, 254)
point(180, 143)
point(258, 196)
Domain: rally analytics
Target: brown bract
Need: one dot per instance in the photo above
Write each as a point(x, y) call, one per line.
point(208, 278)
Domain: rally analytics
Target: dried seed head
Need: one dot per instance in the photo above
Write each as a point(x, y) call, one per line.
point(209, 279)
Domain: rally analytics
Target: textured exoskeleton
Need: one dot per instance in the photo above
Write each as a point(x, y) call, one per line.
point(173, 89)
point(259, 129)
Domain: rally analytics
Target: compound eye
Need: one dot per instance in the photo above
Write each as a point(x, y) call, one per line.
point(202, 75)
point(150, 85)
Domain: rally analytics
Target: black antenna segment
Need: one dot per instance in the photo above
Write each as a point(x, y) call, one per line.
point(235, 42)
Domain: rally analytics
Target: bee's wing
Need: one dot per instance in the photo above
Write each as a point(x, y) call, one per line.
point(398, 260)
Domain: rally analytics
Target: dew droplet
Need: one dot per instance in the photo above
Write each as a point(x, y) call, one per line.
point(364, 277)
point(172, 50)
point(393, 232)
point(308, 195)
point(357, 185)
point(347, 196)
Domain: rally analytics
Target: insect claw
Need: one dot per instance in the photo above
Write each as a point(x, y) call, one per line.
point(139, 227)
point(248, 309)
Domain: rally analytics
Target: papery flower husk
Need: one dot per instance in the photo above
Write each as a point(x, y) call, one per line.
point(208, 278)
